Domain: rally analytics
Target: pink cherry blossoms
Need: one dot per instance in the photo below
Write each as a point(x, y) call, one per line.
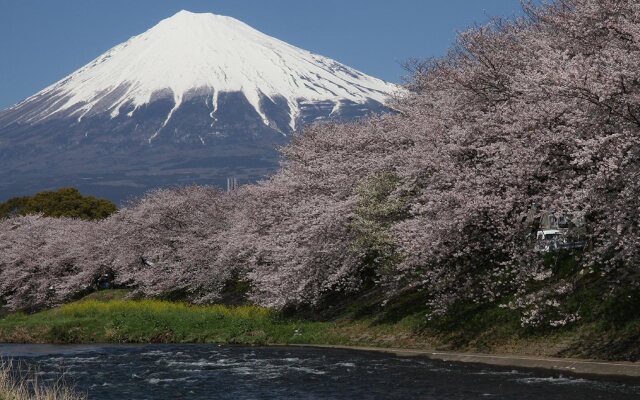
point(540, 113)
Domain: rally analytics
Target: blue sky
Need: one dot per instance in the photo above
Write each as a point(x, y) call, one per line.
point(42, 41)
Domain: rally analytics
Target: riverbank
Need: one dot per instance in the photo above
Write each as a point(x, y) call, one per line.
point(107, 317)
point(569, 365)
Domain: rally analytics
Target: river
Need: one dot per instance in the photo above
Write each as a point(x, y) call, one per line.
point(226, 372)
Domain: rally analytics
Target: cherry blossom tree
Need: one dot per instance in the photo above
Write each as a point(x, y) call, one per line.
point(538, 114)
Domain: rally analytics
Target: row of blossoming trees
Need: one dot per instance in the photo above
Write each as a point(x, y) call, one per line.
point(544, 110)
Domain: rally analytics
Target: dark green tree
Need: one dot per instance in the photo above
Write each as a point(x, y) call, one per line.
point(65, 202)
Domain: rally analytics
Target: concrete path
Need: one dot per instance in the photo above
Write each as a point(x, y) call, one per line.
point(571, 365)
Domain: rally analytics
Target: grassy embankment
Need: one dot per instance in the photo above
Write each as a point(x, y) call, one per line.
point(106, 317)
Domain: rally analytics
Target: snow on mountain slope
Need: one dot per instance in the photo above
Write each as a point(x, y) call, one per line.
point(196, 99)
point(192, 54)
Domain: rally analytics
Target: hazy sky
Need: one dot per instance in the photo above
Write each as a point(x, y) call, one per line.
point(43, 41)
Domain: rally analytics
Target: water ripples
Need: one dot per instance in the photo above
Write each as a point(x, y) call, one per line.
point(239, 373)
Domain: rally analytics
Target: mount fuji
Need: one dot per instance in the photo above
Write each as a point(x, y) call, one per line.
point(195, 99)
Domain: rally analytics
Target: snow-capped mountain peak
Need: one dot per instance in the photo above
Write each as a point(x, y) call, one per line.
point(205, 54)
point(198, 98)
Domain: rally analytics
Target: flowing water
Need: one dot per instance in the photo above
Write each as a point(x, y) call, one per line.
point(223, 372)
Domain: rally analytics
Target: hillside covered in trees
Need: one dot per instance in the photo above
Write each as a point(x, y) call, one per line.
point(440, 199)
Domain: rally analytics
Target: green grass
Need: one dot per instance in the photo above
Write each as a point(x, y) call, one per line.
point(142, 321)
point(108, 317)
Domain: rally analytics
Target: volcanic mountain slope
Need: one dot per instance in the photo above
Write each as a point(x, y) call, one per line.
point(195, 99)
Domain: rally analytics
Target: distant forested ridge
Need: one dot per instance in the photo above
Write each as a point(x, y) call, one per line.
point(65, 202)
point(442, 199)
